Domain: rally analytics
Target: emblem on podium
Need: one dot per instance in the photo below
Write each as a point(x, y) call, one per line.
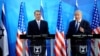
point(37, 50)
point(83, 49)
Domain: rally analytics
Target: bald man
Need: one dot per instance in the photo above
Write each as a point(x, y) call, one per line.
point(78, 26)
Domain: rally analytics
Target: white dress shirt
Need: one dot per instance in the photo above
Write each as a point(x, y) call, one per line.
point(38, 23)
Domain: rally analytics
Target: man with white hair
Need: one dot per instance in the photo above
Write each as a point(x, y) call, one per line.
point(78, 26)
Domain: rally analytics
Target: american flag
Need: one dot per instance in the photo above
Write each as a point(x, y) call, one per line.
point(22, 25)
point(60, 47)
point(95, 44)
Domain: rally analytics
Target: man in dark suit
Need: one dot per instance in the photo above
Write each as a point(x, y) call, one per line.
point(37, 27)
point(78, 26)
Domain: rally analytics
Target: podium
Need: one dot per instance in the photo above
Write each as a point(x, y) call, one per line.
point(80, 45)
point(81, 48)
point(37, 48)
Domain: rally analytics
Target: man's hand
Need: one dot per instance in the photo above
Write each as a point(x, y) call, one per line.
point(82, 29)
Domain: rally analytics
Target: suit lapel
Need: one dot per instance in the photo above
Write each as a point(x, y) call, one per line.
point(40, 24)
point(74, 25)
point(36, 25)
point(81, 23)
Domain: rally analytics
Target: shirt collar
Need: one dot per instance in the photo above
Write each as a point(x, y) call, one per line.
point(79, 20)
point(38, 21)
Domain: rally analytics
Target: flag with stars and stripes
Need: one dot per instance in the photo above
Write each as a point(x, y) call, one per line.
point(95, 43)
point(60, 47)
point(22, 25)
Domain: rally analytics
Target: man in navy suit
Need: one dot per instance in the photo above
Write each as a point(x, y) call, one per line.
point(78, 26)
point(37, 27)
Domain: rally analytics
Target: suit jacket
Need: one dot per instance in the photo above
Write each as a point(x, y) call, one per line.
point(34, 30)
point(84, 24)
point(75, 43)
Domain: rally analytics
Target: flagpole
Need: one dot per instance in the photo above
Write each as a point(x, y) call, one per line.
point(96, 40)
point(52, 44)
point(96, 44)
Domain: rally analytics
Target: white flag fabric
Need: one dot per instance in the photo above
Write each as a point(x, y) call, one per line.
point(4, 38)
point(5, 41)
point(42, 18)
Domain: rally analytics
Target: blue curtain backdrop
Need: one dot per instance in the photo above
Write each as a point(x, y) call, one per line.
point(50, 14)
